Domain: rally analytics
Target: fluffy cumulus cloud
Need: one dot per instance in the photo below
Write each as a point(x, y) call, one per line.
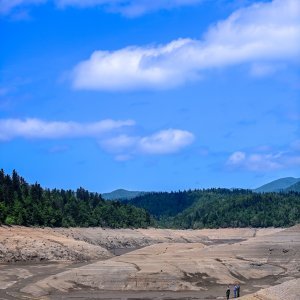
point(165, 141)
point(264, 161)
point(39, 129)
point(130, 8)
point(261, 35)
point(162, 142)
point(111, 135)
point(130, 68)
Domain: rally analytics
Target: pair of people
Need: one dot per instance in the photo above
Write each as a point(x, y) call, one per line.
point(236, 291)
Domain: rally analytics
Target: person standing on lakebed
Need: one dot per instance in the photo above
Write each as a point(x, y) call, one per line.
point(238, 291)
point(228, 292)
point(235, 290)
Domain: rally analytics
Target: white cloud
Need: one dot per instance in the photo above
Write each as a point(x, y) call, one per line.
point(165, 141)
point(128, 68)
point(161, 142)
point(119, 143)
point(263, 162)
point(255, 162)
point(111, 135)
point(237, 158)
point(262, 34)
point(129, 8)
point(39, 129)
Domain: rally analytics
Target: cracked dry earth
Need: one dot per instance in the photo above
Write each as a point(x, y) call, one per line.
point(178, 265)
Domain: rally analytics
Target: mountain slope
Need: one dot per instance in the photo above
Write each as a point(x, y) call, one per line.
point(293, 188)
point(214, 208)
point(161, 204)
point(121, 194)
point(240, 209)
point(277, 185)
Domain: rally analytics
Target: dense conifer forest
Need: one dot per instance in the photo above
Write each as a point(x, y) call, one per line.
point(164, 204)
point(29, 204)
point(213, 208)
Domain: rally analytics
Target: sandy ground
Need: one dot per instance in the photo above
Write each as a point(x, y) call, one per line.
point(14, 277)
point(25, 244)
point(132, 238)
point(289, 290)
point(84, 244)
point(178, 264)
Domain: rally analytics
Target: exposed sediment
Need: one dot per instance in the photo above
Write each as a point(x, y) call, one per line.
point(135, 238)
point(289, 290)
point(24, 244)
point(173, 264)
point(187, 267)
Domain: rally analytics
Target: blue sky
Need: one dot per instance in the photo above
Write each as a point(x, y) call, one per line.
point(150, 95)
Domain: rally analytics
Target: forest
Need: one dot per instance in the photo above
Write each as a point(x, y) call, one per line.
point(214, 208)
point(31, 205)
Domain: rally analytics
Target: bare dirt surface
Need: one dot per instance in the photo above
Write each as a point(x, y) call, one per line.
point(289, 290)
point(85, 244)
point(14, 277)
point(173, 264)
point(134, 238)
point(26, 244)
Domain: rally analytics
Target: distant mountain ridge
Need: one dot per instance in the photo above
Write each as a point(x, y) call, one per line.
point(31, 205)
point(286, 184)
point(121, 194)
point(280, 185)
point(293, 188)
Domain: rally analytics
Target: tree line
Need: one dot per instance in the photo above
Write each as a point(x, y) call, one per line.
point(31, 205)
point(164, 204)
point(214, 208)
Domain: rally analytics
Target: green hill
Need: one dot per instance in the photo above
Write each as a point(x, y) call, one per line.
point(166, 204)
point(213, 208)
point(278, 185)
point(29, 204)
point(121, 194)
point(293, 188)
point(240, 209)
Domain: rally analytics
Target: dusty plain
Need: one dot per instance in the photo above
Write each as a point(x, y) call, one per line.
point(96, 263)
